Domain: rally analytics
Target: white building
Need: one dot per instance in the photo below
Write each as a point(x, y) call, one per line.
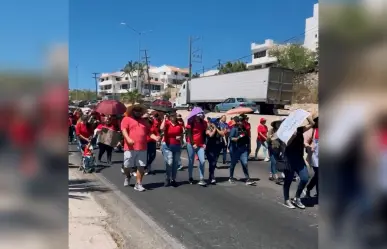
point(260, 55)
point(311, 30)
point(159, 79)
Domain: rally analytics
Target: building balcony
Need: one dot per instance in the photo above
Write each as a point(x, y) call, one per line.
point(261, 47)
point(263, 61)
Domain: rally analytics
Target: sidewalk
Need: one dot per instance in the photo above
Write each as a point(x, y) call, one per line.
point(87, 220)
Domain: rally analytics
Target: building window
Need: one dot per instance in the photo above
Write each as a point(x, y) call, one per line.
point(175, 73)
point(126, 78)
point(156, 79)
point(102, 80)
point(186, 75)
point(315, 36)
point(151, 78)
point(124, 86)
point(260, 54)
point(157, 87)
point(164, 73)
point(118, 79)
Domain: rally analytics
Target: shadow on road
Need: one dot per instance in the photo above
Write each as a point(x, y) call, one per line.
point(84, 186)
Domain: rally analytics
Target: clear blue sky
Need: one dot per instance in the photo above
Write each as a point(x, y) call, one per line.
point(98, 43)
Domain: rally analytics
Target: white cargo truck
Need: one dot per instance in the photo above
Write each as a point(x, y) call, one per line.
point(270, 88)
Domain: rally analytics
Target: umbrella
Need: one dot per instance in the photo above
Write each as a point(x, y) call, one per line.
point(111, 107)
point(195, 111)
point(240, 110)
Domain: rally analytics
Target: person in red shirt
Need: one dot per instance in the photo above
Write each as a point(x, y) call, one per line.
point(107, 124)
point(152, 143)
point(135, 130)
point(196, 136)
point(261, 139)
point(83, 132)
point(171, 147)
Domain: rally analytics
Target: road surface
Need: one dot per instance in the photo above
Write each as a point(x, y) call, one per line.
point(222, 216)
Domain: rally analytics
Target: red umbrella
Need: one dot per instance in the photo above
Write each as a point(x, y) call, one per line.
point(240, 110)
point(111, 107)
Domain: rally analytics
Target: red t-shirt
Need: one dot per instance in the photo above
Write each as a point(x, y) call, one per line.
point(137, 131)
point(262, 129)
point(81, 129)
point(87, 151)
point(154, 129)
point(197, 132)
point(316, 133)
point(172, 132)
point(21, 133)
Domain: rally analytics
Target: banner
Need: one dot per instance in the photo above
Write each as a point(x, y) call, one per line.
point(109, 137)
point(290, 124)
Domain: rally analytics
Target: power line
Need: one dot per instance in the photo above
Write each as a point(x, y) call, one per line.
point(218, 65)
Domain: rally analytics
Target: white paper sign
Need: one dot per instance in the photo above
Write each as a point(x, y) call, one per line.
point(290, 124)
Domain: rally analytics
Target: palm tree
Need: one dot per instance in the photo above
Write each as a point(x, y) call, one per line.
point(131, 97)
point(132, 67)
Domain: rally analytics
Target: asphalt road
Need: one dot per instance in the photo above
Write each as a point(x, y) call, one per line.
point(222, 216)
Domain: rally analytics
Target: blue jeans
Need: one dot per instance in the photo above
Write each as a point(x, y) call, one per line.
point(224, 151)
point(273, 162)
point(259, 145)
point(241, 155)
point(191, 159)
point(289, 175)
point(171, 155)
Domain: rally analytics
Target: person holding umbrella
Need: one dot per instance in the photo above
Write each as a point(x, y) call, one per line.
point(196, 137)
point(135, 130)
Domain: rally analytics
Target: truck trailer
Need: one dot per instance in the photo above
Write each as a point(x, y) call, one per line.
point(270, 88)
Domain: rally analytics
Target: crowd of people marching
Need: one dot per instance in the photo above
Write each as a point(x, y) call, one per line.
point(204, 139)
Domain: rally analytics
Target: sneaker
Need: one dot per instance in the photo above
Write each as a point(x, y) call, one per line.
point(231, 180)
point(126, 182)
point(289, 204)
point(146, 172)
point(282, 175)
point(122, 170)
point(139, 187)
point(271, 177)
point(202, 182)
point(191, 181)
point(250, 182)
point(174, 183)
point(180, 168)
point(167, 183)
point(297, 202)
point(134, 174)
point(212, 181)
point(267, 159)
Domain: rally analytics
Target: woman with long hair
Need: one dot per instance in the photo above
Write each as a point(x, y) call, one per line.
point(312, 147)
point(196, 137)
point(273, 146)
point(214, 144)
point(171, 147)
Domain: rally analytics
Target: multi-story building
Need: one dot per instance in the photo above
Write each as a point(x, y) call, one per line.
point(159, 79)
point(311, 30)
point(260, 57)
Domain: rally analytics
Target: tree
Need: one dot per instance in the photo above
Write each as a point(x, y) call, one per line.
point(131, 97)
point(230, 67)
point(167, 95)
point(295, 57)
point(133, 67)
point(81, 94)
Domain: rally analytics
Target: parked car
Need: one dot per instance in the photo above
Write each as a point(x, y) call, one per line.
point(160, 102)
point(232, 103)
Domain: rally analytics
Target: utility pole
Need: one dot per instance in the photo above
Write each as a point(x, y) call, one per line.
point(147, 70)
point(191, 55)
point(95, 77)
point(203, 70)
point(219, 64)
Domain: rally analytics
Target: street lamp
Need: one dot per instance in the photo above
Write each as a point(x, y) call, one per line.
point(139, 33)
